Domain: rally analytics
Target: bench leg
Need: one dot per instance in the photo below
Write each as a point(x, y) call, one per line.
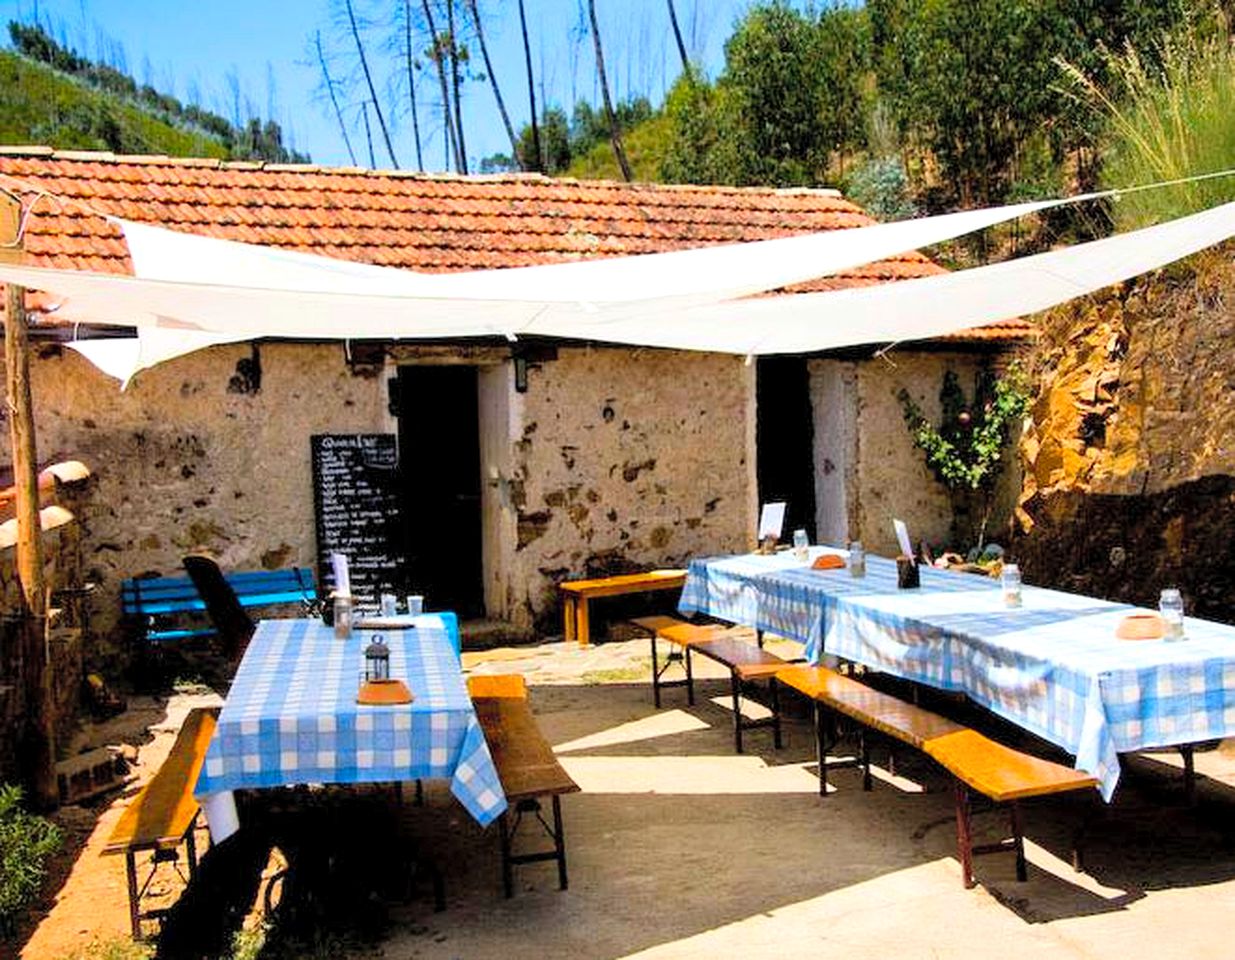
point(1185, 751)
point(655, 674)
point(508, 879)
point(735, 686)
point(821, 748)
point(964, 836)
point(1018, 840)
point(583, 630)
point(690, 679)
point(775, 694)
point(865, 751)
point(568, 618)
point(559, 842)
point(130, 869)
point(759, 638)
point(190, 851)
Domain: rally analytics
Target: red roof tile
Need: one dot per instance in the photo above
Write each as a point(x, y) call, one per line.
point(433, 223)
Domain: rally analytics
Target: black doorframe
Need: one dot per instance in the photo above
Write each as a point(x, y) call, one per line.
point(785, 440)
point(439, 456)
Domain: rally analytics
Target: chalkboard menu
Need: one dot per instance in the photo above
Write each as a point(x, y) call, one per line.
point(356, 497)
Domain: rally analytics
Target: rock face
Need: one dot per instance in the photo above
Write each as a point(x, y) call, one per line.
point(1129, 461)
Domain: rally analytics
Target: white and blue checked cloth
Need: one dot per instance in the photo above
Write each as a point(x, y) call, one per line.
point(291, 717)
point(1053, 666)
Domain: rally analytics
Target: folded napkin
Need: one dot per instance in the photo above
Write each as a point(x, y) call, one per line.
point(828, 561)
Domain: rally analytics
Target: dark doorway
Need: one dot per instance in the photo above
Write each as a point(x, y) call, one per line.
point(785, 440)
point(439, 454)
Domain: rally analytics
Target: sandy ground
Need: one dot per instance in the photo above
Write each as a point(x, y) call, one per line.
point(680, 848)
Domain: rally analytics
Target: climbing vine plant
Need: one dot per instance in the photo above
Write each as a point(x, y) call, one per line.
point(965, 449)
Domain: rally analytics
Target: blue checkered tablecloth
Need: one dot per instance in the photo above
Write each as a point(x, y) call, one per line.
point(1053, 666)
point(291, 716)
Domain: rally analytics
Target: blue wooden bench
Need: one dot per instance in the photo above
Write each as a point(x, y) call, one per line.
point(150, 601)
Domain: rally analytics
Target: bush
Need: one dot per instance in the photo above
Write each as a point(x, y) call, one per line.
point(1167, 114)
point(26, 841)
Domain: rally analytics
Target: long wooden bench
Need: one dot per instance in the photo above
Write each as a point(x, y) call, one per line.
point(163, 815)
point(151, 601)
point(577, 593)
point(526, 766)
point(746, 661)
point(999, 772)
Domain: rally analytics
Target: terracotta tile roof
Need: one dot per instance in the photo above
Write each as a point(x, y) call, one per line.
point(433, 223)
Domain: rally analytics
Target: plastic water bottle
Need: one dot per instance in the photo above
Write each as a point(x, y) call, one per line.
point(1011, 580)
point(1171, 606)
point(857, 559)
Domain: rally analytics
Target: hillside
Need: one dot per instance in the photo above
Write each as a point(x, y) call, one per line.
point(43, 106)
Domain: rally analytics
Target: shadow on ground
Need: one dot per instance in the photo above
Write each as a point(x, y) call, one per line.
point(675, 838)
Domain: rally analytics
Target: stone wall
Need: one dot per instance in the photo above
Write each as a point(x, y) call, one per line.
point(628, 459)
point(612, 460)
point(197, 454)
point(63, 572)
point(1130, 459)
point(867, 468)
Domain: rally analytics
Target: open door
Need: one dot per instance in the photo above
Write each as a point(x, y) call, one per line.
point(439, 456)
point(785, 440)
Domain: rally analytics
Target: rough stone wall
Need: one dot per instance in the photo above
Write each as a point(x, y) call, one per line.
point(876, 467)
point(1130, 459)
point(196, 454)
point(62, 572)
point(628, 459)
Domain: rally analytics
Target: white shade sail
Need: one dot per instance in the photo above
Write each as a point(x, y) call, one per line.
point(189, 313)
point(712, 273)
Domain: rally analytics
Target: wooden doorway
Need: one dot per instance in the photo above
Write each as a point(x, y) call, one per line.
point(785, 440)
point(439, 455)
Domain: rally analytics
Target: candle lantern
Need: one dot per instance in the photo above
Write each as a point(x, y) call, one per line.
point(377, 660)
point(379, 687)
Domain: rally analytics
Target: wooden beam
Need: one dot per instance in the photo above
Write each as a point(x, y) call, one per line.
point(38, 754)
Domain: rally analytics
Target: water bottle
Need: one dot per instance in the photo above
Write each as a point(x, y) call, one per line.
point(801, 546)
point(1171, 606)
point(857, 559)
point(1011, 580)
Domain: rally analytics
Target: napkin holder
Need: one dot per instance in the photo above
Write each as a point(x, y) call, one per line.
point(907, 577)
point(383, 693)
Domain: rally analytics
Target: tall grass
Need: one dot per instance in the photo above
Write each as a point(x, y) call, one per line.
point(1167, 114)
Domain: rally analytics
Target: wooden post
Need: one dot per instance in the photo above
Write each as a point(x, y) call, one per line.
point(38, 752)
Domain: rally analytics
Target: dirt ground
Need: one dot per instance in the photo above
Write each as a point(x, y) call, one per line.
point(679, 848)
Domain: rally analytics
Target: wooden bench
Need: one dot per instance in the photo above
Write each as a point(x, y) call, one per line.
point(747, 663)
point(577, 593)
point(976, 762)
point(163, 815)
point(526, 766)
point(150, 601)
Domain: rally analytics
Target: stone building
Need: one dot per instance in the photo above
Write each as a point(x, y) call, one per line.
point(524, 463)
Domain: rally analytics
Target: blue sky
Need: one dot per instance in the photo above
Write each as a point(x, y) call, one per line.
point(267, 44)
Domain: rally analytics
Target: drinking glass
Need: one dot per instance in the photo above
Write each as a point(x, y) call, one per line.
point(801, 545)
point(390, 605)
point(857, 559)
point(1011, 580)
point(1171, 606)
point(415, 604)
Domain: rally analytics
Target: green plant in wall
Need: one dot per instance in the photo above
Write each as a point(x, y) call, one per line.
point(965, 449)
point(26, 841)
